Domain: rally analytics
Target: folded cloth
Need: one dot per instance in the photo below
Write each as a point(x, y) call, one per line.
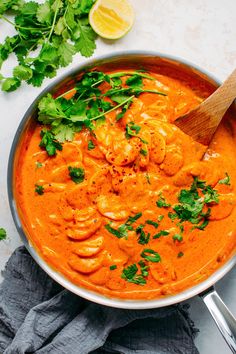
point(39, 316)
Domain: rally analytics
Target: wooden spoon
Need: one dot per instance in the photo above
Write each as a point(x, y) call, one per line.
point(202, 122)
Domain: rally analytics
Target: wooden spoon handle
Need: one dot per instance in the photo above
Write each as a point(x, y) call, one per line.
point(221, 99)
point(202, 122)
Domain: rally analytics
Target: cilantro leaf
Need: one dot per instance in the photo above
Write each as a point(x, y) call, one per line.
point(22, 72)
point(7, 47)
point(210, 195)
point(135, 81)
point(91, 145)
point(44, 14)
point(66, 52)
point(10, 84)
point(225, 180)
point(39, 189)
point(132, 129)
point(113, 267)
point(49, 143)
point(177, 237)
point(161, 202)
point(143, 152)
point(85, 44)
point(49, 110)
point(37, 79)
point(3, 234)
point(180, 254)
point(76, 174)
point(64, 132)
point(38, 164)
point(14, 5)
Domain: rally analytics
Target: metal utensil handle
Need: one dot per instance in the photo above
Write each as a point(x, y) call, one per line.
point(224, 319)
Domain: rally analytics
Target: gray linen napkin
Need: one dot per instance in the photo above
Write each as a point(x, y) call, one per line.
point(39, 316)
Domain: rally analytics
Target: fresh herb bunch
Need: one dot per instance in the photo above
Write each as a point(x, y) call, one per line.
point(48, 35)
point(192, 203)
point(90, 104)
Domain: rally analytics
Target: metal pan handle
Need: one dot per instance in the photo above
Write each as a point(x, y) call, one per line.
point(224, 319)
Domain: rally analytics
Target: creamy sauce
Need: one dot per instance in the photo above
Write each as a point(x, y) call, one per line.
point(67, 223)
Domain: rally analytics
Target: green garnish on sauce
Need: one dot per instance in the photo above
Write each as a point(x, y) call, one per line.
point(91, 145)
point(39, 189)
point(225, 180)
point(49, 142)
point(161, 233)
point(151, 255)
point(113, 267)
point(178, 237)
point(132, 129)
point(143, 152)
point(161, 202)
point(143, 237)
point(153, 223)
point(76, 174)
point(130, 273)
point(121, 231)
point(38, 164)
point(180, 254)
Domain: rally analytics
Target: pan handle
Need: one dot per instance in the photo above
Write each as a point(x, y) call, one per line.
point(224, 319)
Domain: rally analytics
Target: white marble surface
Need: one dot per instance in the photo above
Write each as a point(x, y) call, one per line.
point(203, 32)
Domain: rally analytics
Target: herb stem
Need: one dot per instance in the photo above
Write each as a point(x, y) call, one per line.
point(26, 28)
point(154, 91)
point(65, 93)
point(130, 73)
point(113, 108)
point(54, 21)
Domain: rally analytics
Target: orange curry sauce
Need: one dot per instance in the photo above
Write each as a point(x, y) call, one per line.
point(67, 222)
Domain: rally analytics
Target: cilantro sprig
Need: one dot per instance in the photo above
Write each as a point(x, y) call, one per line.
point(89, 104)
point(49, 142)
point(56, 29)
point(192, 203)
